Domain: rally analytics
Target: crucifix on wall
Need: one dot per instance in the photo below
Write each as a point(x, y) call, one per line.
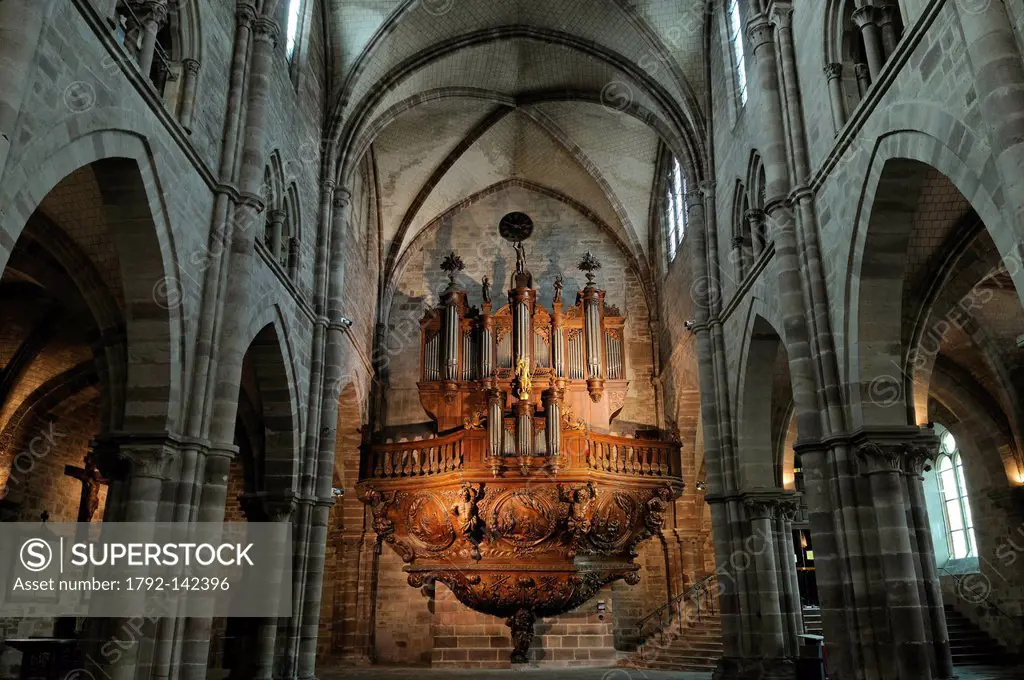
point(91, 480)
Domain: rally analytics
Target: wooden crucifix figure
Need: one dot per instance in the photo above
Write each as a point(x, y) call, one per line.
point(91, 480)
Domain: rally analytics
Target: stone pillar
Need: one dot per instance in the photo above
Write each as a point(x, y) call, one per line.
point(999, 83)
point(154, 16)
point(761, 511)
point(792, 611)
point(323, 497)
point(293, 258)
point(187, 106)
point(21, 23)
point(887, 14)
point(755, 224)
point(276, 219)
point(863, 74)
point(864, 18)
point(882, 463)
point(140, 463)
point(915, 466)
point(834, 74)
point(277, 510)
point(738, 259)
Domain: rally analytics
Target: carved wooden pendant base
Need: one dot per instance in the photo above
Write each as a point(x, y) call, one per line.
point(519, 549)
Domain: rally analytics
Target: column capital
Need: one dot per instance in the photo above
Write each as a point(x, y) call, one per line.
point(342, 197)
point(191, 66)
point(886, 14)
point(863, 16)
point(267, 30)
point(833, 71)
point(781, 14)
point(760, 32)
point(766, 504)
point(277, 216)
point(152, 10)
point(754, 215)
point(737, 241)
point(862, 70)
point(708, 187)
point(245, 14)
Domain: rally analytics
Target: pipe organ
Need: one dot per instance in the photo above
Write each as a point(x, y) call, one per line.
point(578, 350)
point(523, 504)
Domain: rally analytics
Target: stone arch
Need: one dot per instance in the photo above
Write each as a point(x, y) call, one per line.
point(268, 364)
point(873, 238)
point(764, 403)
point(140, 230)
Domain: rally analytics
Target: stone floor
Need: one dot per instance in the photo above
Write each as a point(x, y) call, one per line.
point(389, 673)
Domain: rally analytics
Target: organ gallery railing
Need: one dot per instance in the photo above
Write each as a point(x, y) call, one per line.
point(465, 452)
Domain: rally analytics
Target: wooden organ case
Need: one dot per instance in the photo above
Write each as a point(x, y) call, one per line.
point(523, 504)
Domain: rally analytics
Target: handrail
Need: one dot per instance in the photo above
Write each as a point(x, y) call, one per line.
point(698, 593)
point(958, 579)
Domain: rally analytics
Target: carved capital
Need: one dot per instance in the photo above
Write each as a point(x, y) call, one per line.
point(862, 16)
point(152, 12)
point(267, 30)
point(694, 199)
point(833, 71)
point(886, 14)
point(760, 507)
point(737, 241)
point(146, 462)
point(782, 16)
point(863, 71)
point(708, 187)
point(882, 458)
point(760, 32)
point(245, 14)
point(342, 197)
point(277, 216)
point(191, 66)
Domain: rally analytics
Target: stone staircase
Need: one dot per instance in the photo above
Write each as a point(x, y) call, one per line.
point(696, 647)
point(687, 633)
point(972, 646)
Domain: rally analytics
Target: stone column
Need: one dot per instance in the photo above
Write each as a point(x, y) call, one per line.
point(792, 610)
point(276, 219)
point(882, 462)
point(755, 224)
point(140, 462)
point(834, 74)
point(21, 23)
point(863, 74)
point(323, 497)
point(293, 258)
point(190, 79)
point(915, 466)
point(887, 14)
point(737, 257)
point(761, 511)
point(999, 83)
point(277, 510)
point(864, 18)
point(154, 16)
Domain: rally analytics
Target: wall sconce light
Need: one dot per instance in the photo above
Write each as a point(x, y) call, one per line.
point(336, 492)
point(701, 485)
point(601, 607)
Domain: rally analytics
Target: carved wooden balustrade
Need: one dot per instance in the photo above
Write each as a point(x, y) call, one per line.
point(465, 452)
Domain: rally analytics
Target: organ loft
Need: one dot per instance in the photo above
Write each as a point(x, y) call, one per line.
point(523, 503)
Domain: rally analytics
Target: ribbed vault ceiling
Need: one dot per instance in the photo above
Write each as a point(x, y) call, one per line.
point(453, 97)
